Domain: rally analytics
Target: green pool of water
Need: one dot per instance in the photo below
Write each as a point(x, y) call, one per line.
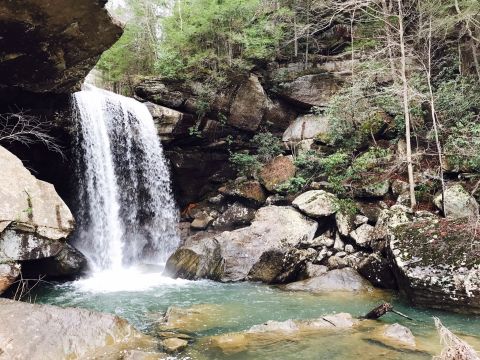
point(249, 304)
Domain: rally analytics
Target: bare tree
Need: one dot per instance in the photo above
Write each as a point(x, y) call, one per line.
point(27, 130)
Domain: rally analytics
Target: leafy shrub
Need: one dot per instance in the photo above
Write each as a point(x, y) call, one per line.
point(245, 164)
point(268, 146)
point(293, 185)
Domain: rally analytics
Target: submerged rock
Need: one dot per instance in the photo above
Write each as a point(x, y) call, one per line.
point(273, 332)
point(399, 333)
point(173, 345)
point(436, 263)
point(42, 332)
point(345, 279)
point(197, 318)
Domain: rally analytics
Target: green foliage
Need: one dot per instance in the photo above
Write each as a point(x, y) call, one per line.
point(268, 146)
point(347, 206)
point(245, 164)
point(209, 39)
point(293, 185)
point(135, 53)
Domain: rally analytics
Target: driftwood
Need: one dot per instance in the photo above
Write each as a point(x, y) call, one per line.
point(381, 310)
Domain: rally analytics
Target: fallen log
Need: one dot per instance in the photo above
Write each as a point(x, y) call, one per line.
point(381, 310)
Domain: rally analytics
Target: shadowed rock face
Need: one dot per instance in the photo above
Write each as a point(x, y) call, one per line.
point(50, 46)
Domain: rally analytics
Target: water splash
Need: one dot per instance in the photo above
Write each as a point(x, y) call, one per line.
point(126, 213)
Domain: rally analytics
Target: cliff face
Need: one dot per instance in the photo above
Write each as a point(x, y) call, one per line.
point(50, 46)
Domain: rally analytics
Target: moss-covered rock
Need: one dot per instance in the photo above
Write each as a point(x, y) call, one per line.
point(437, 263)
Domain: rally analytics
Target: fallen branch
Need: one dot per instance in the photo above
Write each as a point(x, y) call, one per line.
point(382, 309)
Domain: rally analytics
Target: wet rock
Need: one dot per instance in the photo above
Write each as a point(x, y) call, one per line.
point(317, 203)
point(249, 105)
point(235, 216)
point(458, 203)
point(308, 127)
point(39, 332)
point(435, 264)
point(197, 318)
point(48, 50)
point(345, 279)
point(171, 334)
point(399, 333)
point(8, 274)
point(68, 262)
point(378, 271)
point(275, 229)
point(198, 258)
point(174, 345)
point(311, 90)
point(276, 172)
point(249, 190)
point(363, 235)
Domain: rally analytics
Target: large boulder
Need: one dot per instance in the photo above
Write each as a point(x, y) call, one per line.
point(311, 90)
point(436, 263)
point(378, 271)
point(249, 105)
point(458, 203)
point(198, 258)
point(345, 279)
point(30, 203)
point(34, 222)
point(44, 332)
point(50, 46)
point(317, 203)
point(277, 171)
point(275, 230)
point(306, 127)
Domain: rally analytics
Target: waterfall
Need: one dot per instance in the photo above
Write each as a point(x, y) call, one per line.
point(126, 213)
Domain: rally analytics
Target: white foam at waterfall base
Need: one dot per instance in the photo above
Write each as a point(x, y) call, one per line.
point(126, 214)
point(132, 279)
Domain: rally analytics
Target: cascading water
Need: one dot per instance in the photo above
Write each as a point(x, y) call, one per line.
point(126, 213)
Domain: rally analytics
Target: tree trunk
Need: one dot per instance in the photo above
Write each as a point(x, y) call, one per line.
point(406, 108)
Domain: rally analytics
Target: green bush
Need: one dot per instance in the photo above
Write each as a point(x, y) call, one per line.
point(245, 164)
point(268, 146)
point(293, 185)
